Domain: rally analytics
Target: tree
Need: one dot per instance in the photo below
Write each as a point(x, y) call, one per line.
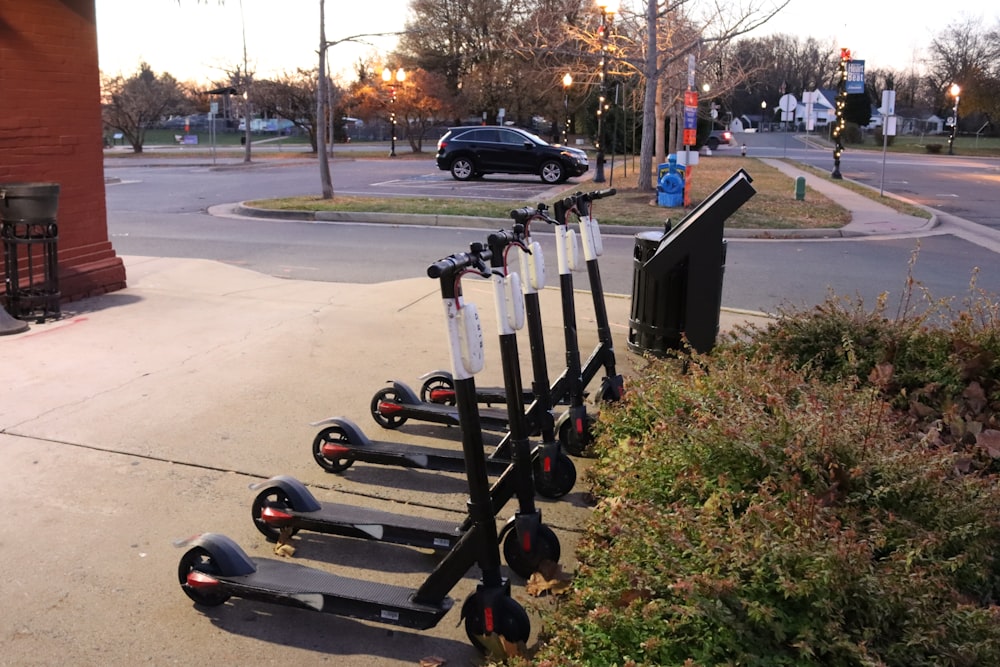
point(469, 43)
point(132, 105)
point(966, 53)
point(419, 101)
point(293, 98)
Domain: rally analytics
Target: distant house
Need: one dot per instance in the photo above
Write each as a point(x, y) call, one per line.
point(816, 108)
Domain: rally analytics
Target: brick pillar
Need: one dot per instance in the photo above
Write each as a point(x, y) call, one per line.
point(51, 130)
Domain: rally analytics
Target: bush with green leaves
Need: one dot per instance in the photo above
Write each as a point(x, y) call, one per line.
point(756, 512)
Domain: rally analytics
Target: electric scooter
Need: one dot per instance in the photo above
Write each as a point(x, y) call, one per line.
point(340, 443)
point(574, 426)
point(603, 356)
point(214, 568)
point(285, 504)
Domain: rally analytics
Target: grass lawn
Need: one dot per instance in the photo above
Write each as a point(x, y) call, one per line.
point(774, 206)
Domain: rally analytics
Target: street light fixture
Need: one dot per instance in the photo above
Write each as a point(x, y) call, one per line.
point(955, 91)
point(608, 10)
point(387, 77)
point(567, 81)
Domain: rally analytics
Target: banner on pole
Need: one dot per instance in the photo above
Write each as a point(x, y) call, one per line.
point(855, 76)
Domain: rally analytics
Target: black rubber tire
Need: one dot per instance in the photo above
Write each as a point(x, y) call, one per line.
point(563, 478)
point(573, 443)
point(462, 169)
point(524, 564)
point(552, 172)
point(199, 558)
point(511, 622)
point(273, 496)
point(437, 382)
point(391, 396)
point(330, 434)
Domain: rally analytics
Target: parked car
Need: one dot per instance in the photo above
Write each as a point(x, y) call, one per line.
point(718, 138)
point(470, 152)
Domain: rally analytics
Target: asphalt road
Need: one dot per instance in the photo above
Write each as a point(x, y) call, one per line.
point(162, 211)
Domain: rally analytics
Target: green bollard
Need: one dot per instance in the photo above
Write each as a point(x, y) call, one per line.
point(800, 188)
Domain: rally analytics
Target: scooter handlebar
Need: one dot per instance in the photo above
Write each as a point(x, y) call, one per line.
point(601, 194)
point(452, 264)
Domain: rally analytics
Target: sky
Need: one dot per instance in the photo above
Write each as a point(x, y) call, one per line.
point(199, 42)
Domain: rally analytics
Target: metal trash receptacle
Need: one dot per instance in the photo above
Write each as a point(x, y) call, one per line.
point(662, 308)
point(30, 237)
point(657, 319)
point(677, 286)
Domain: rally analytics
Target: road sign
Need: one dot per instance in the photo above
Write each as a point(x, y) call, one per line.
point(787, 104)
point(888, 102)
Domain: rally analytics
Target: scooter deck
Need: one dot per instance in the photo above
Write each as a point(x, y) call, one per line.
point(370, 524)
point(408, 456)
point(296, 585)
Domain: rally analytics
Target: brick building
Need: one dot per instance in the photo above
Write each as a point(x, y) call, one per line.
point(51, 130)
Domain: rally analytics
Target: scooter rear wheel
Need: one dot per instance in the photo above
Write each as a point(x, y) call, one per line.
point(200, 559)
point(525, 563)
point(438, 389)
point(386, 395)
point(576, 443)
point(331, 435)
point(510, 621)
point(270, 497)
point(559, 481)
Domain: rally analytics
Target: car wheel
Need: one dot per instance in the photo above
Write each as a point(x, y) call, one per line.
point(462, 169)
point(713, 143)
point(552, 172)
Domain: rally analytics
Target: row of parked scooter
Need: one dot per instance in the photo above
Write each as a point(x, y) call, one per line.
point(214, 568)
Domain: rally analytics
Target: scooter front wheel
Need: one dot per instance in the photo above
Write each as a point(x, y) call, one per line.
point(509, 620)
point(526, 561)
point(273, 497)
point(325, 444)
point(199, 559)
point(438, 389)
point(385, 409)
point(558, 481)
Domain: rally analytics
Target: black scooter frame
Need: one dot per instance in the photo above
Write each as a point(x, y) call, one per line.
point(214, 568)
point(284, 503)
point(340, 443)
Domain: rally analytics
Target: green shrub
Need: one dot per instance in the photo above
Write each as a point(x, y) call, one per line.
point(758, 514)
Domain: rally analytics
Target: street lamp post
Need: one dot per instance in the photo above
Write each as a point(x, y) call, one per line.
point(955, 91)
point(388, 76)
point(608, 9)
point(567, 81)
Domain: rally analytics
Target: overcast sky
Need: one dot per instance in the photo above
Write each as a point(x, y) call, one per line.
point(199, 41)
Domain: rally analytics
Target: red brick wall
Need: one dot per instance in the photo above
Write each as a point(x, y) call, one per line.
point(50, 130)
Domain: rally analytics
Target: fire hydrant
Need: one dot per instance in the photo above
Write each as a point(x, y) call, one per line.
point(743, 150)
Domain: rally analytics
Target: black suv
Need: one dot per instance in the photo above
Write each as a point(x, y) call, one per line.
point(470, 152)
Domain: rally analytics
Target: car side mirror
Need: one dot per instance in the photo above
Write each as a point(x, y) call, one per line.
point(529, 145)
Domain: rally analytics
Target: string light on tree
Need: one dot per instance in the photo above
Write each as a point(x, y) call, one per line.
point(608, 10)
point(839, 124)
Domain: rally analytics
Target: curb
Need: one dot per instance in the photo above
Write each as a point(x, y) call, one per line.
point(430, 220)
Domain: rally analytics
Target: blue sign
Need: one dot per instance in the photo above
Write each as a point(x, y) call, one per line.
point(855, 76)
point(690, 118)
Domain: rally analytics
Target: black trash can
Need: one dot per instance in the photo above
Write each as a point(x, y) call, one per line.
point(657, 316)
point(664, 309)
point(30, 237)
point(677, 284)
